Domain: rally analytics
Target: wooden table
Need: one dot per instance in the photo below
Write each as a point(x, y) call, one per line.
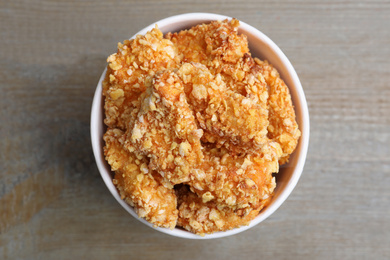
point(53, 202)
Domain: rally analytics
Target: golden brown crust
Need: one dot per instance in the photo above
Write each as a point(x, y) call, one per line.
point(227, 118)
point(195, 109)
point(236, 182)
point(129, 72)
point(165, 130)
point(283, 127)
point(204, 218)
point(208, 43)
point(151, 196)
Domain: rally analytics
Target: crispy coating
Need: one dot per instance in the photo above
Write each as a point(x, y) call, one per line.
point(237, 182)
point(165, 130)
point(194, 109)
point(208, 43)
point(151, 196)
point(283, 127)
point(129, 72)
point(202, 218)
point(227, 118)
point(223, 51)
point(244, 91)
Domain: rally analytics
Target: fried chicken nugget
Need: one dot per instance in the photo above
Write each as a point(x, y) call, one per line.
point(237, 183)
point(203, 218)
point(130, 70)
point(151, 196)
point(219, 46)
point(227, 118)
point(283, 127)
point(223, 51)
point(165, 130)
point(211, 43)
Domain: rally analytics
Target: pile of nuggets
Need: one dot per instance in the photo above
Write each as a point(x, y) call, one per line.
point(196, 127)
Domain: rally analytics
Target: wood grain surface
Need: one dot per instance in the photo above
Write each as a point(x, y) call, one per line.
point(53, 202)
